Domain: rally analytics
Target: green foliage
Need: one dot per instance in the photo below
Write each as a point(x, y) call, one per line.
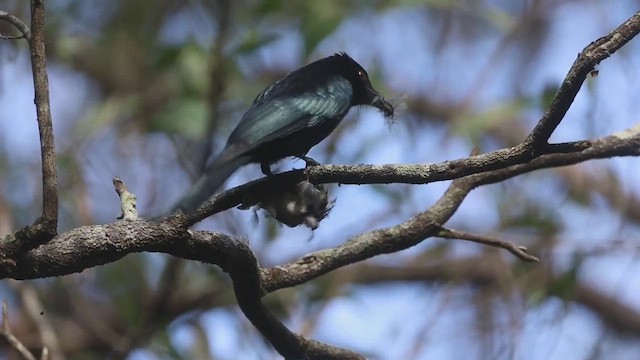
point(475, 125)
point(107, 113)
point(532, 217)
point(126, 288)
point(319, 20)
point(564, 285)
point(254, 40)
point(193, 114)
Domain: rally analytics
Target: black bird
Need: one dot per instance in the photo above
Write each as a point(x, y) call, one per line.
point(288, 118)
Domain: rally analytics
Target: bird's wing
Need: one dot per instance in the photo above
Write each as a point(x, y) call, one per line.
point(284, 115)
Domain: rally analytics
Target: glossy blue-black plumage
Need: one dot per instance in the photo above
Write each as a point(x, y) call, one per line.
point(290, 117)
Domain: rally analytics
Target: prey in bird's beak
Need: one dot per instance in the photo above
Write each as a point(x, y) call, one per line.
point(373, 98)
point(363, 91)
point(383, 105)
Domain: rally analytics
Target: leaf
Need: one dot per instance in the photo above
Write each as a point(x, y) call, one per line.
point(319, 21)
point(476, 125)
point(254, 40)
point(192, 65)
point(185, 116)
point(105, 114)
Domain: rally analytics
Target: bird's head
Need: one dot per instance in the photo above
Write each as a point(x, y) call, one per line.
point(363, 91)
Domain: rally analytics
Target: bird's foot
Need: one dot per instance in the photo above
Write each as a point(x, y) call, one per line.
point(266, 168)
point(309, 161)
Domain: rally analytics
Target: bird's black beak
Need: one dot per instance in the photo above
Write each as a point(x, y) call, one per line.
point(381, 103)
point(373, 98)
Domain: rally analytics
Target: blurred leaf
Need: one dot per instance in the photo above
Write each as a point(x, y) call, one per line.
point(476, 125)
point(193, 66)
point(564, 286)
point(320, 20)
point(68, 46)
point(184, 116)
point(581, 194)
point(106, 113)
point(253, 40)
point(126, 284)
point(270, 6)
point(547, 95)
point(530, 216)
point(200, 348)
point(537, 296)
point(395, 194)
point(167, 56)
point(163, 340)
point(503, 20)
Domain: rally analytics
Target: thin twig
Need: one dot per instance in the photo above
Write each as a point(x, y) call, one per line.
point(587, 60)
point(22, 27)
point(34, 309)
point(10, 37)
point(423, 225)
point(43, 110)
point(517, 250)
point(13, 341)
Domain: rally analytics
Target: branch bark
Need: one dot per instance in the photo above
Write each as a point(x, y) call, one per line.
point(90, 246)
point(22, 27)
point(94, 245)
point(425, 224)
point(45, 227)
point(518, 250)
point(45, 123)
point(587, 60)
point(376, 174)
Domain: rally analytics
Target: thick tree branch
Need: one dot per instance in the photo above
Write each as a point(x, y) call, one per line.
point(248, 289)
point(587, 60)
point(424, 225)
point(534, 145)
point(90, 246)
point(580, 182)
point(372, 174)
